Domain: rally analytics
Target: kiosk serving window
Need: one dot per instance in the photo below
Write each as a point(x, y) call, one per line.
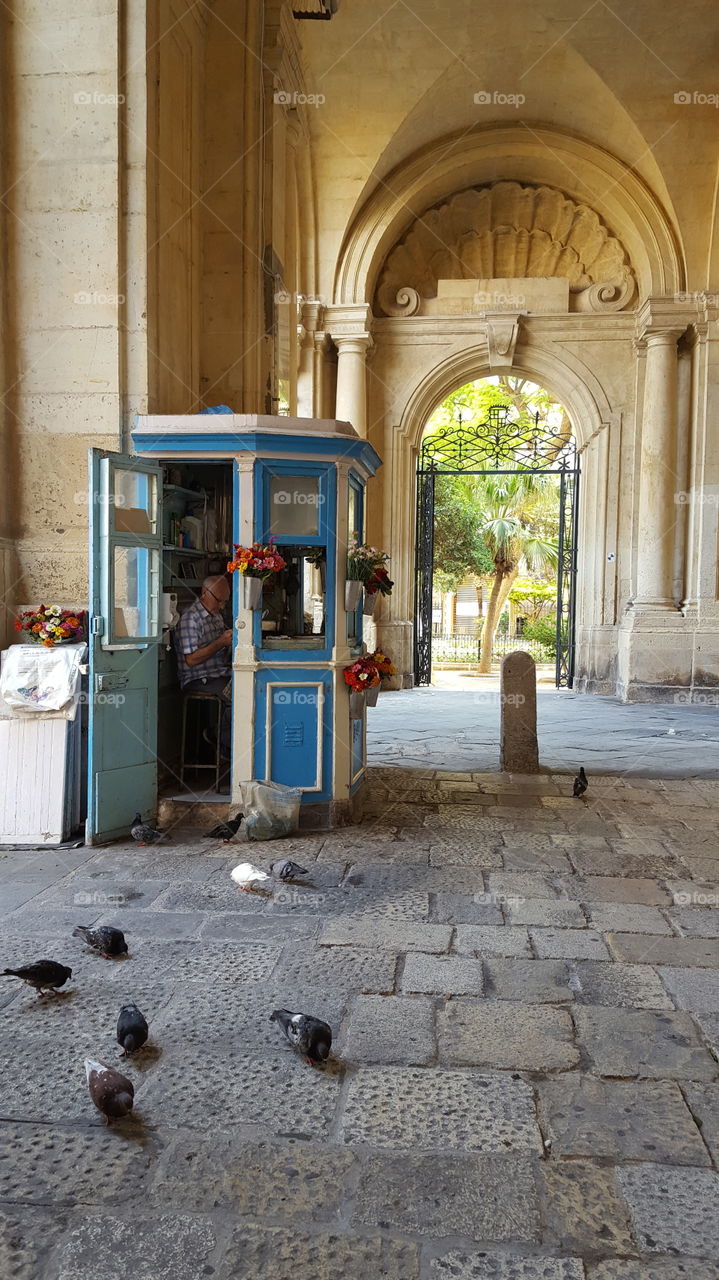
point(298, 515)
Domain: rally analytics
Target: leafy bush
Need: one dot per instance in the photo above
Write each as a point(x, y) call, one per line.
point(544, 631)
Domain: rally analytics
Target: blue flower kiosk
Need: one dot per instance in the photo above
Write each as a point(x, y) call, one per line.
point(299, 483)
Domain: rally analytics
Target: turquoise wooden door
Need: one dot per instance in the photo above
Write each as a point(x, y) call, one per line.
point(125, 584)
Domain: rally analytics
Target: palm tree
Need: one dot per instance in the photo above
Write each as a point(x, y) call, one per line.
point(514, 513)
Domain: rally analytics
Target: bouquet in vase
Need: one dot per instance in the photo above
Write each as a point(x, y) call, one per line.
point(257, 561)
point(51, 626)
point(362, 675)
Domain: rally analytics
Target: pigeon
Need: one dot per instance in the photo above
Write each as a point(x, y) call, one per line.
point(286, 869)
point(105, 939)
point(143, 833)
point(132, 1029)
point(581, 782)
point(245, 875)
point(112, 1093)
point(309, 1036)
point(225, 830)
point(43, 973)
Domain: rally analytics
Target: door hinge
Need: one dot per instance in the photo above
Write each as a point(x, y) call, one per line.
point(97, 625)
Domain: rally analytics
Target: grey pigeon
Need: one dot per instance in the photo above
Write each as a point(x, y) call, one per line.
point(46, 974)
point(112, 1093)
point(286, 869)
point(143, 833)
point(309, 1036)
point(581, 782)
point(105, 938)
point(225, 830)
point(132, 1029)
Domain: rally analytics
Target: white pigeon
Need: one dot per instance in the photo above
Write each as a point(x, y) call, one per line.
point(247, 876)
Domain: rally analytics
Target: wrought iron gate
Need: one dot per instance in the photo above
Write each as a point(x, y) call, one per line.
point(498, 446)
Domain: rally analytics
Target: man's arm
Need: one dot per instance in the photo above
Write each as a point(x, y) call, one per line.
point(208, 651)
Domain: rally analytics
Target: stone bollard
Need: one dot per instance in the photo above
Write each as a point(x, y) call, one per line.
point(518, 698)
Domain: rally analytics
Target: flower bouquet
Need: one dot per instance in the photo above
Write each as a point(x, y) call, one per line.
point(363, 565)
point(256, 564)
point(362, 676)
point(383, 664)
point(51, 626)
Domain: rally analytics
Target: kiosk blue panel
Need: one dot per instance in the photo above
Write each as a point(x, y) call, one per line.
point(293, 734)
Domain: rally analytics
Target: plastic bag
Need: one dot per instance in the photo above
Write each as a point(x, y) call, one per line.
point(37, 680)
point(271, 810)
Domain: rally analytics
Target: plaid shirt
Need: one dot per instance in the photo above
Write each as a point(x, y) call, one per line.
point(197, 628)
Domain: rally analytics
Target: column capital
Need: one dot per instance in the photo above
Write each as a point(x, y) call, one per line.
point(348, 320)
point(357, 344)
point(666, 316)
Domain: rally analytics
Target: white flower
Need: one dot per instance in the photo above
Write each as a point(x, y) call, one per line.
point(55, 609)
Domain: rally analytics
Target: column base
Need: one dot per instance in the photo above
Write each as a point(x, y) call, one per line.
point(655, 644)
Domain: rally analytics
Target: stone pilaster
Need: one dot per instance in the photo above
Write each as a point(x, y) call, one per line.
point(349, 328)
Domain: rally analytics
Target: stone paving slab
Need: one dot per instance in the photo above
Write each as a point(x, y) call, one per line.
point(39, 1164)
point(453, 975)
point(278, 1091)
point(584, 1210)
point(620, 889)
point(532, 981)
point(695, 922)
point(703, 1099)
point(629, 1042)
point(345, 968)
point(673, 1209)
point(640, 948)
point(390, 1029)
point(650, 1121)
point(544, 912)
point(149, 1248)
point(568, 944)
point(618, 917)
point(261, 1179)
point(505, 1035)
point(27, 1238)
point(401, 936)
point(270, 928)
point(466, 1265)
point(458, 908)
point(491, 940)
point(657, 1269)
point(479, 1197)
point(633, 986)
point(696, 990)
point(278, 1254)
point(419, 1109)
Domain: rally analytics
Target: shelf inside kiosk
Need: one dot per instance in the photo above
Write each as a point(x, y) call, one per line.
point(293, 600)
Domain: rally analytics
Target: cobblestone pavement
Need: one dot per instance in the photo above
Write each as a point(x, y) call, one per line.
point(525, 994)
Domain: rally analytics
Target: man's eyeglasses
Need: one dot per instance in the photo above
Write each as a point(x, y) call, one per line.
point(219, 599)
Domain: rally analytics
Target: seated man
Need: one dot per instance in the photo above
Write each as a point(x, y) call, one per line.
point(204, 650)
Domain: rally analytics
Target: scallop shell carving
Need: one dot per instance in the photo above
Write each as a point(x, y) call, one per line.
point(506, 231)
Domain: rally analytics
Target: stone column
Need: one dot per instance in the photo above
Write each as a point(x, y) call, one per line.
point(352, 381)
point(659, 484)
point(349, 328)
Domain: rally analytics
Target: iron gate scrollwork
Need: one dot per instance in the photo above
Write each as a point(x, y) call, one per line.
point(499, 446)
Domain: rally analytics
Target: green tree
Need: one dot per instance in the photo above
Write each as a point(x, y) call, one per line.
point(460, 549)
point(507, 505)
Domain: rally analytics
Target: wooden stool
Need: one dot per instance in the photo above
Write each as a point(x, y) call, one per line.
point(194, 762)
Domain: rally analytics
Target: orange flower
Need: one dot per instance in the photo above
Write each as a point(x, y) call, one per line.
point(36, 628)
